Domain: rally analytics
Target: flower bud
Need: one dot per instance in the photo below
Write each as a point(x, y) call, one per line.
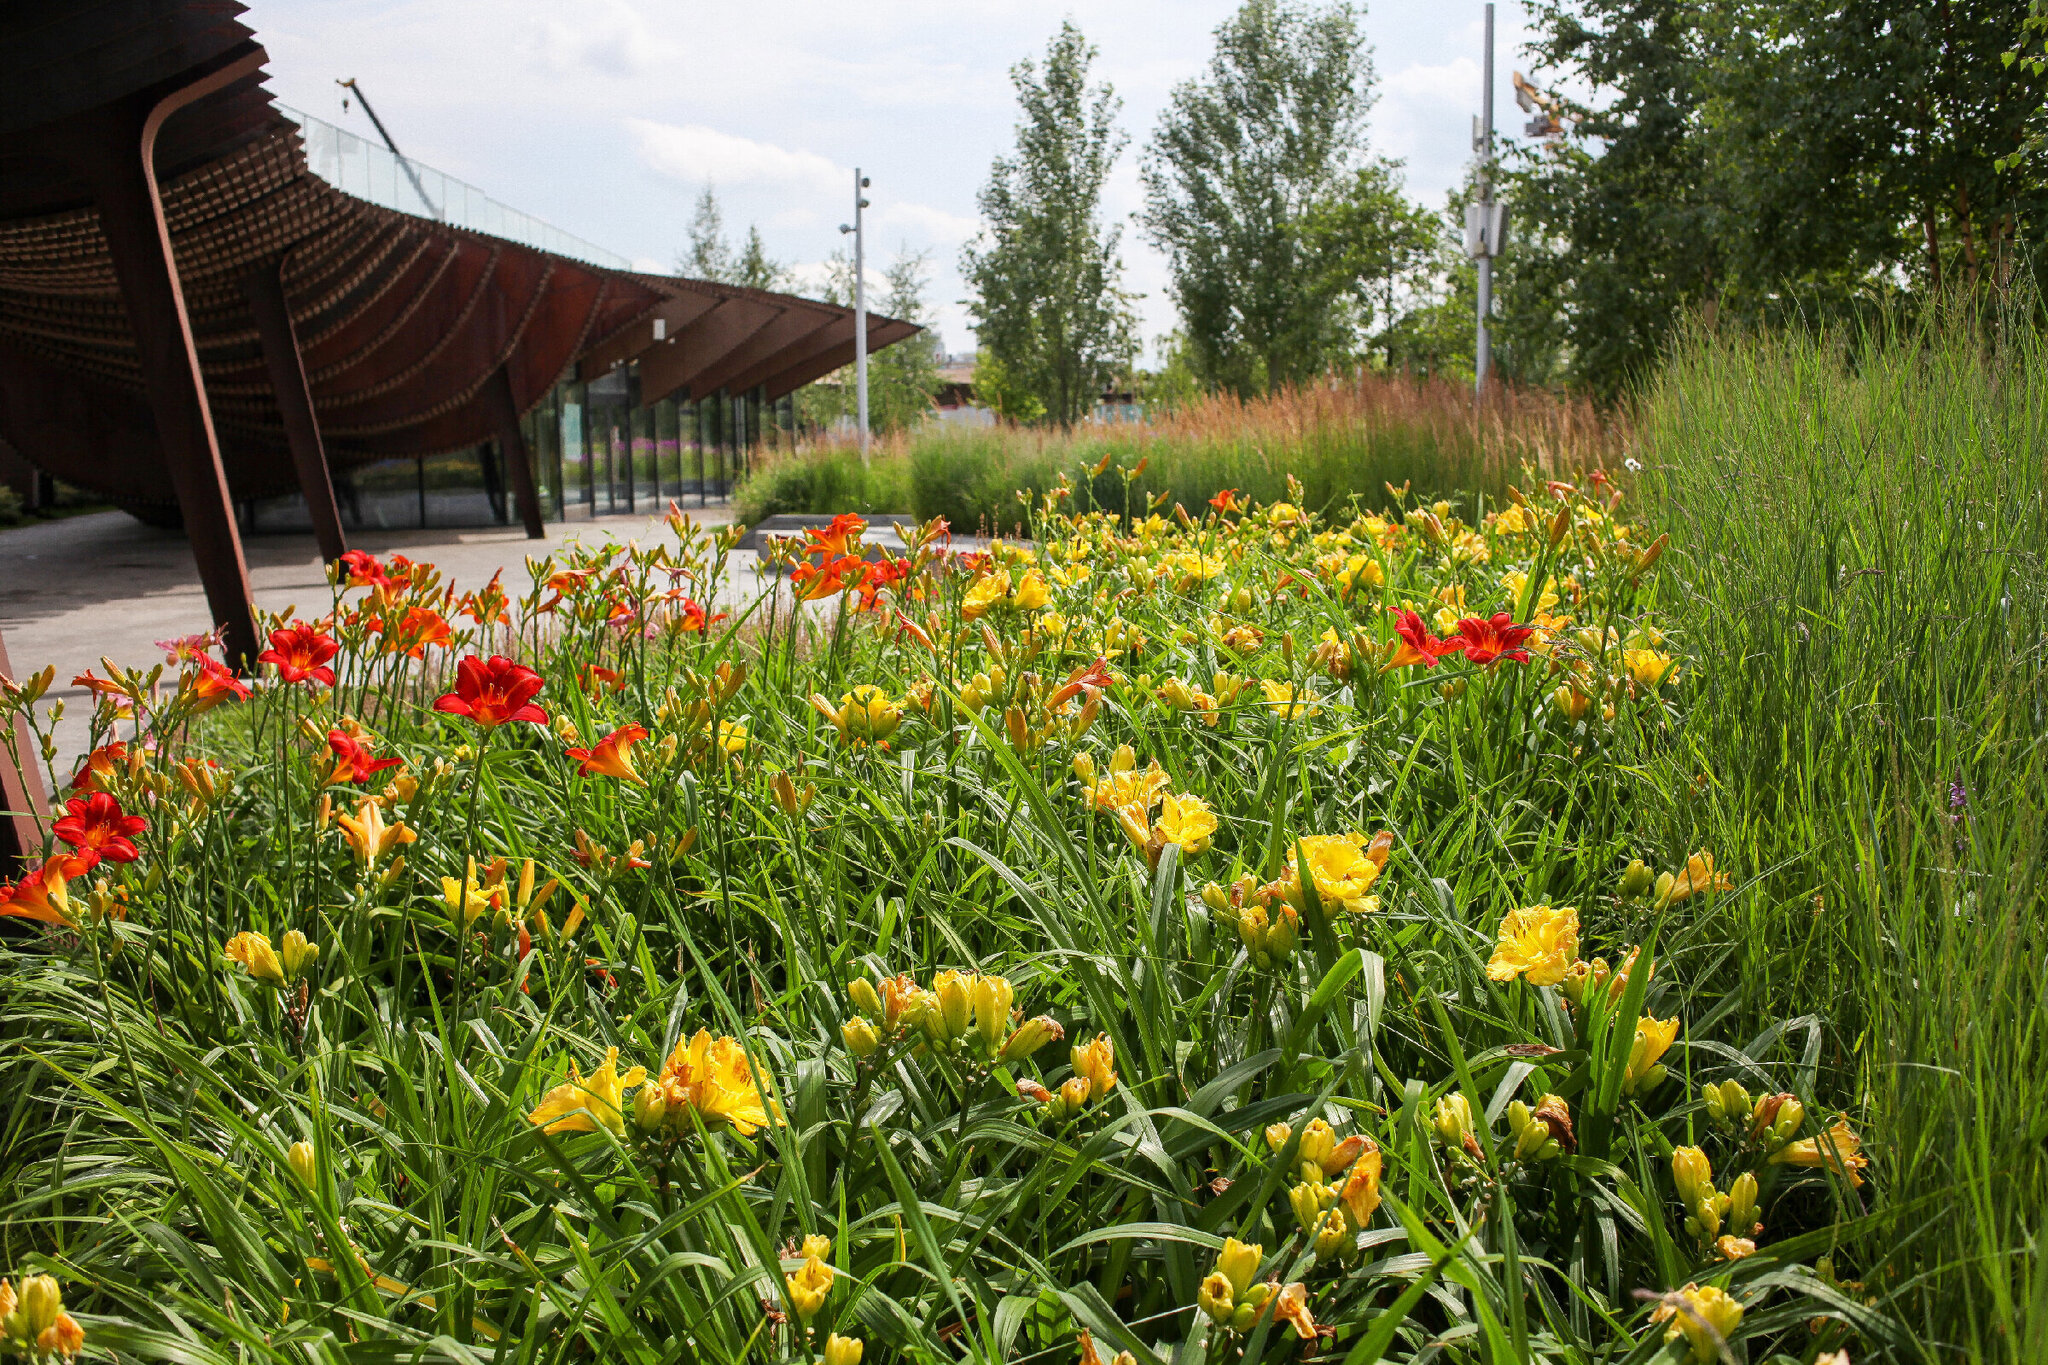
point(1032, 1035)
point(1074, 1094)
point(1216, 1296)
point(1239, 1263)
point(1215, 897)
point(860, 1037)
point(650, 1107)
point(842, 1350)
point(1533, 1143)
point(1637, 881)
point(862, 992)
point(297, 954)
point(1785, 1127)
point(41, 1302)
point(1692, 1174)
point(1742, 1207)
point(302, 1160)
point(1277, 1135)
point(1317, 1141)
point(992, 997)
point(956, 1006)
point(1307, 1201)
point(1333, 1236)
point(1452, 1120)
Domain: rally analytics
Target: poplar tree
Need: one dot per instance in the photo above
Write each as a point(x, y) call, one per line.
point(1053, 324)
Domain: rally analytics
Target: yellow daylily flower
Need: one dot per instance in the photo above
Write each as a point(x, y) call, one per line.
point(1539, 943)
point(580, 1104)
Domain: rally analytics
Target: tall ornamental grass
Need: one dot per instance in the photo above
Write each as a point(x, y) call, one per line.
point(1857, 577)
point(1344, 436)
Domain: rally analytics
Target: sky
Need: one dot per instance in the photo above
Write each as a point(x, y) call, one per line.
point(607, 118)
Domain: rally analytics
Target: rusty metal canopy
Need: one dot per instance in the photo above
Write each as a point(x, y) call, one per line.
point(400, 320)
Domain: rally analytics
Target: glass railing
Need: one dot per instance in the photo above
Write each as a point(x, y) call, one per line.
point(369, 171)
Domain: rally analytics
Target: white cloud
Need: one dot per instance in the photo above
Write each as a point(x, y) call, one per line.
point(697, 154)
point(922, 221)
point(611, 38)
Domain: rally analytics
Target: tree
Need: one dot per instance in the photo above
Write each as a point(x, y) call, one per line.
point(1376, 244)
point(756, 269)
point(902, 378)
point(1242, 163)
point(1053, 324)
point(1758, 158)
point(710, 257)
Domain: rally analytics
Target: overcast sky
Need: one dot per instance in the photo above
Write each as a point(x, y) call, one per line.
point(606, 118)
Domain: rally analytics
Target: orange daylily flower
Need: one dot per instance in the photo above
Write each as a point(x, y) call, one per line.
point(612, 756)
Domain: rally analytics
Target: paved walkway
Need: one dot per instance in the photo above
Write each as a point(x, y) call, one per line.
point(105, 584)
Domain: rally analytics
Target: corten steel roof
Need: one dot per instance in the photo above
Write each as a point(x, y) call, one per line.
point(401, 322)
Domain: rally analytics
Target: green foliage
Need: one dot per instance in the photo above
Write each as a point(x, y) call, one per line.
point(1858, 520)
point(1052, 320)
point(709, 256)
point(1765, 159)
point(1250, 180)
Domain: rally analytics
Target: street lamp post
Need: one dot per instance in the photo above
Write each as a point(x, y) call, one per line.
point(1484, 221)
point(860, 308)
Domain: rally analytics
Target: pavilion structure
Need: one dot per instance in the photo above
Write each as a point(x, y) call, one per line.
point(191, 318)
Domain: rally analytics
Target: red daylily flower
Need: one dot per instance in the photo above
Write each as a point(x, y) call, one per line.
point(352, 761)
point(494, 692)
point(214, 684)
point(1489, 641)
point(692, 618)
point(1417, 645)
point(596, 677)
point(98, 828)
point(99, 767)
point(301, 652)
point(363, 570)
point(1226, 501)
point(877, 576)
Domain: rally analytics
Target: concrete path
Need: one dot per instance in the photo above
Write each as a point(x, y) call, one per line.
point(105, 584)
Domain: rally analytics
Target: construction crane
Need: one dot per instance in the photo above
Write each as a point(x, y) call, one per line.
point(385, 133)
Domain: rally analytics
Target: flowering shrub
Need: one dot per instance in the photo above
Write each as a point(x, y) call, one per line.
point(1183, 938)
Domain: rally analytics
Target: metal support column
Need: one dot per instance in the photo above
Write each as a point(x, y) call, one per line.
point(115, 150)
point(22, 802)
point(264, 287)
point(504, 410)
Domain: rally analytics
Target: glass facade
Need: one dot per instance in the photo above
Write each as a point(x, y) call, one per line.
point(597, 451)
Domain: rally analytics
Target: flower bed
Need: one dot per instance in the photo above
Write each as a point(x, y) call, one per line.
point(1187, 938)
